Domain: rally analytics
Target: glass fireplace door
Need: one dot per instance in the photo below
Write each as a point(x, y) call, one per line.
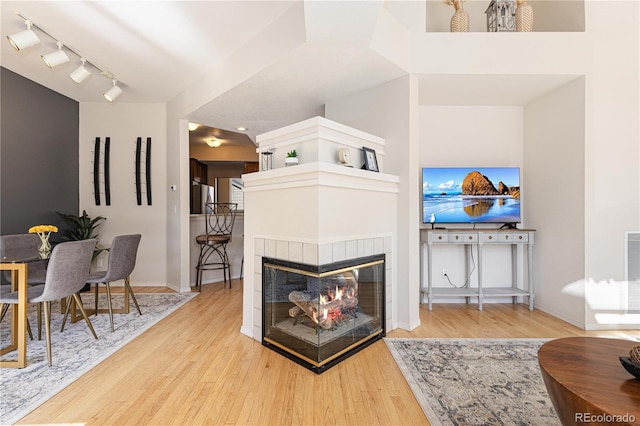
point(319, 315)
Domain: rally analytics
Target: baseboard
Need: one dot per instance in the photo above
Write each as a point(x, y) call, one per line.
point(246, 331)
point(559, 315)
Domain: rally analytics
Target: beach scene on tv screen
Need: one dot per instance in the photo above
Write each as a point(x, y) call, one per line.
point(471, 195)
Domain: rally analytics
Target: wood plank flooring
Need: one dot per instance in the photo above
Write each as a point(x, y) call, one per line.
point(195, 368)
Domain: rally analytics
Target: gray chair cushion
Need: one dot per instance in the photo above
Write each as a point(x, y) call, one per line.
point(9, 297)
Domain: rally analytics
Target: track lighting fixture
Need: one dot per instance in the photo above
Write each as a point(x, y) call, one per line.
point(56, 58)
point(29, 38)
point(24, 39)
point(81, 73)
point(114, 92)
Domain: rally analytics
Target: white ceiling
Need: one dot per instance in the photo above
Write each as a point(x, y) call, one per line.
point(157, 49)
point(154, 48)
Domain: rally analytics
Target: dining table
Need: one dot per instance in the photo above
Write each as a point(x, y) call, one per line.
point(19, 268)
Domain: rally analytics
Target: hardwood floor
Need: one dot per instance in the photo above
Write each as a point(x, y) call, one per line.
point(194, 367)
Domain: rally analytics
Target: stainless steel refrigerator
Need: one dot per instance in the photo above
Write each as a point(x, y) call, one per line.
point(200, 194)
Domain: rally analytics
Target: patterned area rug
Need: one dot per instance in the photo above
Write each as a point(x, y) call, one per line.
point(75, 351)
point(476, 381)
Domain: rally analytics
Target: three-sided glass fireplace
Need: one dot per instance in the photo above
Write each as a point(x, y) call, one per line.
point(319, 315)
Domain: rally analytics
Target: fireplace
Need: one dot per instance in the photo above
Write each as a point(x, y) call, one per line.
point(319, 315)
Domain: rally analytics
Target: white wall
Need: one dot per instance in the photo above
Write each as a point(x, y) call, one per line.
point(386, 111)
point(555, 190)
point(612, 155)
point(124, 123)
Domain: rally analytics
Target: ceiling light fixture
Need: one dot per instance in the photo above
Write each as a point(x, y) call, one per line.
point(242, 128)
point(214, 142)
point(56, 58)
point(28, 38)
point(81, 73)
point(114, 92)
point(193, 126)
point(24, 39)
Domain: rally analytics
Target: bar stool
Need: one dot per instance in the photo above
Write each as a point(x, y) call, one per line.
point(219, 219)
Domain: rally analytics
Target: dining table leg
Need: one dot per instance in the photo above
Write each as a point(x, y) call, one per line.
point(18, 316)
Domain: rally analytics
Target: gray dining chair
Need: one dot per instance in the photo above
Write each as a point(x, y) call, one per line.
point(67, 273)
point(22, 246)
point(122, 261)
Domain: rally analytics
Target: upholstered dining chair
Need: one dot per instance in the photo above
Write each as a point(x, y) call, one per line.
point(219, 220)
point(122, 261)
point(23, 246)
point(67, 273)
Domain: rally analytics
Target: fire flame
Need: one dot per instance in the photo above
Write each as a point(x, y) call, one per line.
point(323, 314)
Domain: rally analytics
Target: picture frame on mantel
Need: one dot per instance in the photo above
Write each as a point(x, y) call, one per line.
point(370, 159)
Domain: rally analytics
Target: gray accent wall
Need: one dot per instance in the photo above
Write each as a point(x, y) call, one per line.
point(39, 154)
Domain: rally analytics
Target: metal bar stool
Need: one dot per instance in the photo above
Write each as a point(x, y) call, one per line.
point(219, 219)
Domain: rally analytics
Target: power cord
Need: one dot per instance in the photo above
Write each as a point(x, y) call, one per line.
point(466, 282)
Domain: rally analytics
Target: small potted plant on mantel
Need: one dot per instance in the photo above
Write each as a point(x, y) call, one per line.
point(292, 158)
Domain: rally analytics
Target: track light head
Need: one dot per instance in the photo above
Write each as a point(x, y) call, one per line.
point(56, 58)
point(81, 73)
point(114, 92)
point(24, 39)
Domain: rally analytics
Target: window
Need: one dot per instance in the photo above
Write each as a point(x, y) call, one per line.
point(237, 196)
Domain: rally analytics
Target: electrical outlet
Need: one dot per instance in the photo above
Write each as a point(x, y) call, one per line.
point(444, 272)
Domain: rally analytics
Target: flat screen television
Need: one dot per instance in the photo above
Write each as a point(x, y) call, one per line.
point(471, 195)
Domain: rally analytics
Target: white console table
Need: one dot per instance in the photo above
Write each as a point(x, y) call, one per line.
point(478, 238)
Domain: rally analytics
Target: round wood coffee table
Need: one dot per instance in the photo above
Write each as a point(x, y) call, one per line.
point(586, 382)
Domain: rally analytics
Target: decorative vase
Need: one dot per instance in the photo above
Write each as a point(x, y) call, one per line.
point(524, 17)
point(460, 21)
point(290, 161)
point(45, 247)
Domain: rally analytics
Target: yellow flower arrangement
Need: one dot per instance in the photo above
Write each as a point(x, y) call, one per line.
point(42, 229)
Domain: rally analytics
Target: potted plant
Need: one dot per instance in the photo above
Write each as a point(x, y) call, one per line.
point(292, 158)
point(81, 227)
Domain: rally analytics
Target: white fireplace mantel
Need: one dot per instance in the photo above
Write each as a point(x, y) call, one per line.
point(320, 174)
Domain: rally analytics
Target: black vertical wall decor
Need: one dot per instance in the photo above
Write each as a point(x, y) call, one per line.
point(147, 170)
point(138, 155)
point(147, 175)
point(107, 183)
point(96, 171)
point(105, 171)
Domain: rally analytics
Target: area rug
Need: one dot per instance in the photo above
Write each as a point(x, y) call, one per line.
point(476, 381)
point(75, 351)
